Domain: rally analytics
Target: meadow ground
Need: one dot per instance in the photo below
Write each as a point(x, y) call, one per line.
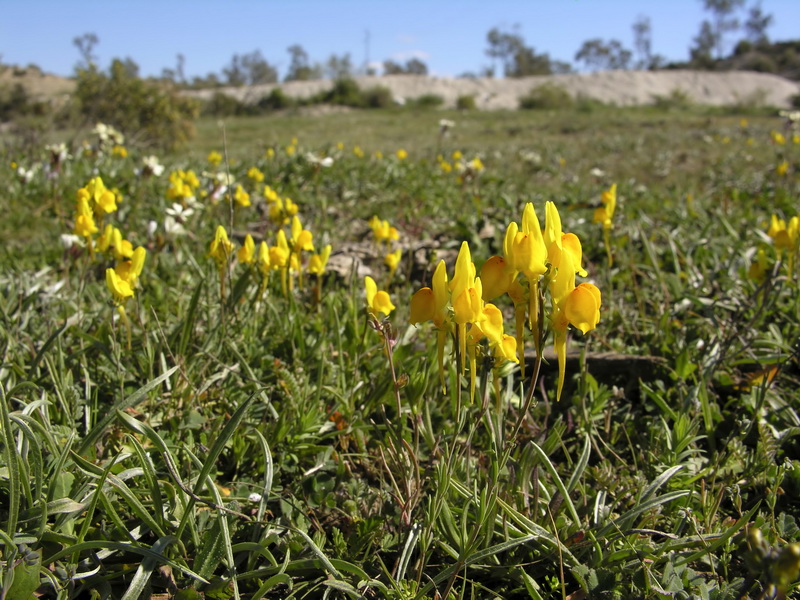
point(187, 411)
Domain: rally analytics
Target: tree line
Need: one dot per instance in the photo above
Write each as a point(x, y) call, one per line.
point(507, 50)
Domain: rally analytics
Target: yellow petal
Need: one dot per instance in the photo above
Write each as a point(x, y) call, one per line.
point(496, 275)
point(423, 306)
point(582, 307)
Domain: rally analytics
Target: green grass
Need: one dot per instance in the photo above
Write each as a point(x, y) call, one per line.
point(287, 446)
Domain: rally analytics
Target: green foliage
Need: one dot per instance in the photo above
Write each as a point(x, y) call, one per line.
point(428, 101)
point(547, 96)
point(152, 113)
point(677, 99)
point(466, 102)
point(275, 100)
point(378, 96)
point(344, 92)
point(280, 444)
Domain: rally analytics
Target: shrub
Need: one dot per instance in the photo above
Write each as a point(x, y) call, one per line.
point(676, 99)
point(429, 101)
point(223, 105)
point(378, 96)
point(546, 96)
point(151, 112)
point(344, 92)
point(275, 100)
point(466, 102)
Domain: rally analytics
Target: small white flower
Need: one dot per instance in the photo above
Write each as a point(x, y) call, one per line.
point(173, 227)
point(152, 166)
point(254, 497)
point(596, 172)
point(151, 228)
point(179, 212)
point(68, 240)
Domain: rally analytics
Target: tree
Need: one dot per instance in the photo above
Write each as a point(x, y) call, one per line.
point(413, 66)
point(599, 55)
point(299, 67)
point(339, 67)
point(757, 24)
point(703, 46)
point(257, 70)
point(85, 44)
point(722, 21)
point(249, 69)
point(643, 42)
point(518, 60)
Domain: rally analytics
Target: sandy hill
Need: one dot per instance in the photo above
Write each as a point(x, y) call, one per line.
point(623, 88)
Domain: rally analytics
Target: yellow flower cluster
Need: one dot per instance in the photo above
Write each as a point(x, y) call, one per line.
point(255, 175)
point(182, 185)
point(93, 202)
point(465, 170)
point(533, 262)
point(281, 210)
point(285, 256)
point(385, 235)
point(214, 158)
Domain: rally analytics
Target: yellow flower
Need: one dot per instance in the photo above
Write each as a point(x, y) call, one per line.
point(130, 270)
point(84, 219)
point(247, 253)
point(318, 262)
point(120, 289)
point(605, 213)
point(382, 231)
point(104, 200)
point(301, 238)
point(401, 154)
point(579, 306)
point(263, 261)
point(242, 198)
point(119, 151)
point(214, 158)
point(777, 138)
point(378, 301)
point(759, 267)
point(782, 169)
point(430, 304)
point(457, 155)
point(270, 153)
point(279, 253)
point(392, 260)
point(255, 175)
point(358, 152)
point(221, 248)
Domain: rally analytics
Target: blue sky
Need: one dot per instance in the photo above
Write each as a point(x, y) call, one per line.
point(449, 36)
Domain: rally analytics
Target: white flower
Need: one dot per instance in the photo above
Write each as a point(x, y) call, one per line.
point(596, 172)
point(322, 162)
point(173, 227)
point(152, 166)
point(254, 497)
point(26, 175)
point(68, 240)
point(178, 212)
point(58, 152)
point(151, 228)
